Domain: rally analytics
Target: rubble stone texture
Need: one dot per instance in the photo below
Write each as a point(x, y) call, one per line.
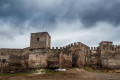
point(41, 55)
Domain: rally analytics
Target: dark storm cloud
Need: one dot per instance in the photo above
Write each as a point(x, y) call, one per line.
point(20, 11)
point(18, 17)
point(89, 12)
point(104, 10)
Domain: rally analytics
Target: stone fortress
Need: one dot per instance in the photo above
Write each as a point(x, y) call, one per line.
point(41, 55)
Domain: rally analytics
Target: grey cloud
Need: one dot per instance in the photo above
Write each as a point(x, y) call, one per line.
point(89, 12)
point(107, 10)
point(21, 16)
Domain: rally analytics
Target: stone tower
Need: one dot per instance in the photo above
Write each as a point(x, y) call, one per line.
point(40, 40)
point(106, 43)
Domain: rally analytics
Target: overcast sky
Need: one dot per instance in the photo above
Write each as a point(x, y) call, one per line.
point(67, 21)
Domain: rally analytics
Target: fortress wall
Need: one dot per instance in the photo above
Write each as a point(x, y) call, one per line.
point(76, 46)
point(37, 58)
point(92, 59)
point(4, 65)
point(116, 48)
point(78, 59)
point(10, 59)
point(110, 56)
point(53, 58)
point(56, 48)
point(41, 55)
point(93, 48)
point(114, 63)
point(50, 58)
point(65, 59)
point(111, 62)
point(78, 52)
point(15, 59)
point(24, 58)
point(110, 48)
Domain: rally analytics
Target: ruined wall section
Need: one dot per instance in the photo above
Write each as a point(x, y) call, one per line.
point(65, 59)
point(4, 64)
point(37, 58)
point(113, 61)
point(110, 56)
point(53, 58)
point(93, 58)
point(25, 58)
point(10, 59)
point(77, 54)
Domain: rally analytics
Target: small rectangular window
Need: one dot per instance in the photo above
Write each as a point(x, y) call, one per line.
point(37, 39)
point(4, 60)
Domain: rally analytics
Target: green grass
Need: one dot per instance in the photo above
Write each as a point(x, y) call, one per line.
point(46, 72)
point(53, 71)
point(90, 69)
point(16, 74)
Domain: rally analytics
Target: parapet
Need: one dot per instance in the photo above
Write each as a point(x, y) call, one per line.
point(75, 45)
point(94, 48)
point(106, 43)
point(55, 48)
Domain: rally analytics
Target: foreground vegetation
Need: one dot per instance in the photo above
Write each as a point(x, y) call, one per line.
point(71, 74)
point(90, 69)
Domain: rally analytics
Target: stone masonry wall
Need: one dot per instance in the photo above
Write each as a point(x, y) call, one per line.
point(75, 53)
point(37, 58)
point(53, 58)
point(10, 59)
point(40, 55)
point(40, 40)
point(93, 58)
point(65, 60)
point(110, 56)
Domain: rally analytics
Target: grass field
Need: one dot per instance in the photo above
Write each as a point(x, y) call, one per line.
point(71, 74)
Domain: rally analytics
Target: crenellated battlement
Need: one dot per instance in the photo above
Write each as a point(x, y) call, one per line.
point(94, 48)
point(40, 54)
point(55, 48)
point(75, 45)
point(10, 50)
point(116, 47)
point(110, 47)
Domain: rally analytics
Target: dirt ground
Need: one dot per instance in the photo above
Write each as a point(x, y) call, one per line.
point(71, 74)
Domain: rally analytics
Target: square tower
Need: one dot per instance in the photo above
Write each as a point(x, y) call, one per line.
point(40, 40)
point(106, 43)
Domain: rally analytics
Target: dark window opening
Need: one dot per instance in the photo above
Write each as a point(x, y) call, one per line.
point(37, 39)
point(0, 60)
point(4, 60)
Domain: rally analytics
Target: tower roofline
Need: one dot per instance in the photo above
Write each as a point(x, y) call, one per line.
point(106, 42)
point(41, 32)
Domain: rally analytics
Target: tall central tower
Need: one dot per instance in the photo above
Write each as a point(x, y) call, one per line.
point(40, 40)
